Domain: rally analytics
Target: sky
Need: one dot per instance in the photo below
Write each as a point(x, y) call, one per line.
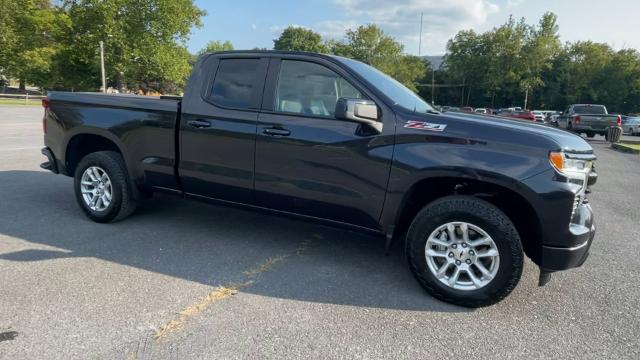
point(249, 24)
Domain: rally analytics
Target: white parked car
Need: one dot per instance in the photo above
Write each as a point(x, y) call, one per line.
point(632, 126)
point(482, 111)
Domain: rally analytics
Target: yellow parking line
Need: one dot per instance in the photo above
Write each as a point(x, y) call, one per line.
point(225, 291)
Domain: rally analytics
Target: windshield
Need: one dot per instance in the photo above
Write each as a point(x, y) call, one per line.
point(397, 92)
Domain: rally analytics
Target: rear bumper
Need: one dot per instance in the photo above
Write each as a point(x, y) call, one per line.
point(582, 232)
point(589, 128)
point(51, 164)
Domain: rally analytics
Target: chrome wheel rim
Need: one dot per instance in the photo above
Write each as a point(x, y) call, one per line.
point(96, 188)
point(462, 256)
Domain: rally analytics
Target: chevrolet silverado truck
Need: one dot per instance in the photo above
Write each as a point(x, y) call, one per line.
point(334, 140)
point(588, 119)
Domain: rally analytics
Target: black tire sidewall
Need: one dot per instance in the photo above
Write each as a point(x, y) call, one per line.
point(105, 161)
point(489, 219)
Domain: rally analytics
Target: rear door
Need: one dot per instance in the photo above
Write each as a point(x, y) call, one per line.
point(309, 163)
point(218, 127)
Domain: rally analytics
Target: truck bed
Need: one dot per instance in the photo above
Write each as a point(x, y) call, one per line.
point(137, 102)
point(144, 125)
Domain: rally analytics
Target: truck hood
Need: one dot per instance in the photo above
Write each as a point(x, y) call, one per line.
point(565, 140)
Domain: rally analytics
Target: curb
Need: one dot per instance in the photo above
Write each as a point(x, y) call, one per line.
point(621, 147)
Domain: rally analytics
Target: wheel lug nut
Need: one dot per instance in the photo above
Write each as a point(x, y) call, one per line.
point(458, 262)
point(450, 254)
point(468, 261)
point(464, 245)
point(471, 252)
point(454, 246)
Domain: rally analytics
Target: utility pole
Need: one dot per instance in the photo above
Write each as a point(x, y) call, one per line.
point(420, 41)
point(104, 79)
point(433, 83)
point(526, 98)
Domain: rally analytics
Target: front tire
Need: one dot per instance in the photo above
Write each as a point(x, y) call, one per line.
point(102, 188)
point(465, 251)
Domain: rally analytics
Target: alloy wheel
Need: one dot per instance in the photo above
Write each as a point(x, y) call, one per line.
point(462, 256)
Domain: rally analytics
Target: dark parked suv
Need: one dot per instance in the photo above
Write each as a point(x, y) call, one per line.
point(334, 140)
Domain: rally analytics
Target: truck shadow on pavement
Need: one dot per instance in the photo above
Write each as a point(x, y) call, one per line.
point(211, 245)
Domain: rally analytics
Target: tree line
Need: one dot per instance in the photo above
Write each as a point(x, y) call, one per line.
point(54, 45)
point(518, 63)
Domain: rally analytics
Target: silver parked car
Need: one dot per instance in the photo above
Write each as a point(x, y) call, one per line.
point(632, 126)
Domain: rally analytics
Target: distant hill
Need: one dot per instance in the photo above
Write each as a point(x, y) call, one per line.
point(436, 61)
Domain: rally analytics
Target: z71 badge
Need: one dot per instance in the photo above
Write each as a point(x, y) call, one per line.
point(420, 125)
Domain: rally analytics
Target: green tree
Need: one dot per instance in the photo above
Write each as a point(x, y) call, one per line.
point(541, 47)
point(144, 41)
point(466, 62)
point(372, 46)
point(506, 65)
point(29, 34)
point(215, 46)
point(295, 38)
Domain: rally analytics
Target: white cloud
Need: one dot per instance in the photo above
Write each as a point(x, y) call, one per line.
point(254, 26)
point(401, 19)
point(514, 3)
point(335, 29)
point(470, 11)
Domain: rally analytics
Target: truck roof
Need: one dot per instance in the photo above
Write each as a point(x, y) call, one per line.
point(271, 52)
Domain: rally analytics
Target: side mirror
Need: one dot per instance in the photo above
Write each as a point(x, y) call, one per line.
point(359, 110)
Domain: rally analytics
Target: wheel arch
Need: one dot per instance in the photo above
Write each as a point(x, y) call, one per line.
point(500, 192)
point(81, 144)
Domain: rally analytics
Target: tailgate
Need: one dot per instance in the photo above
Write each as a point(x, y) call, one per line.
point(599, 122)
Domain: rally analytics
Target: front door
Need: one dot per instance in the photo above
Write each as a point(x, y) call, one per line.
point(310, 163)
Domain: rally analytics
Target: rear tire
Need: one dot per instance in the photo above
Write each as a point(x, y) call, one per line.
point(115, 183)
point(467, 290)
point(591, 135)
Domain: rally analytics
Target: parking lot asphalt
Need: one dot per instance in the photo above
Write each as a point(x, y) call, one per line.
point(182, 279)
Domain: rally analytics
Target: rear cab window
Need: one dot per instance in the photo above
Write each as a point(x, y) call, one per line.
point(590, 109)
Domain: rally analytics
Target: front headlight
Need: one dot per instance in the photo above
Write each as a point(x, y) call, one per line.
point(571, 167)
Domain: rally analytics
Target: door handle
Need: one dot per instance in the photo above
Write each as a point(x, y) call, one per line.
point(199, 124)
point(276, 132)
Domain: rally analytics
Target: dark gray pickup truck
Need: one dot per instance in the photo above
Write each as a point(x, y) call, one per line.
point(331, 139)
point(588, 119)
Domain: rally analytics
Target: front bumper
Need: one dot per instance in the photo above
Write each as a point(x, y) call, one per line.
point(582, 231)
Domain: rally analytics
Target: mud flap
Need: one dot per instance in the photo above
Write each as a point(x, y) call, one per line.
point(545, 277)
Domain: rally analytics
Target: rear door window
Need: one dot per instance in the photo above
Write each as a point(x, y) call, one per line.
point(238, 83)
